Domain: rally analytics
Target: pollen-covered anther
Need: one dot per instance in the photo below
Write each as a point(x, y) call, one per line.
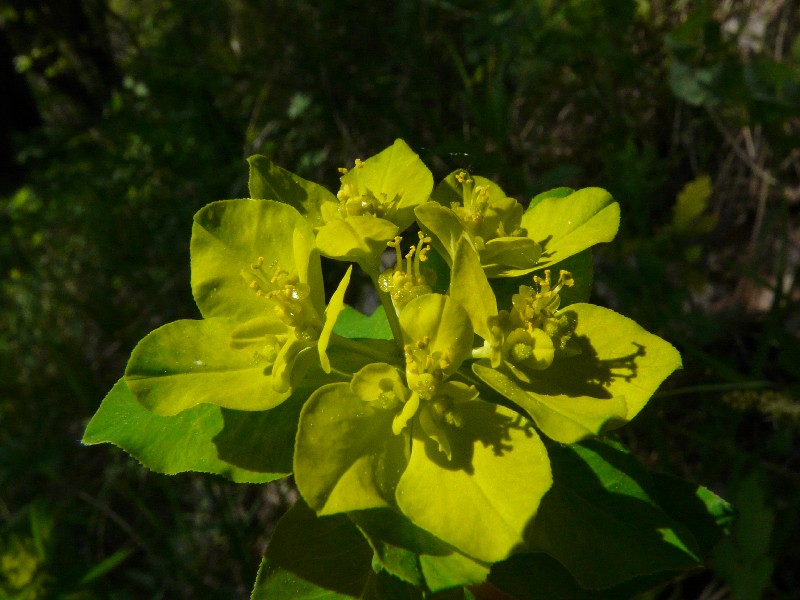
point(257, 265)
point(396, 245)
point(344, 193)
point(259, 281)
point(546, 287)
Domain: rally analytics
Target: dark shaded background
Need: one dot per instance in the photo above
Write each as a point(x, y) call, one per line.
point(120, 118)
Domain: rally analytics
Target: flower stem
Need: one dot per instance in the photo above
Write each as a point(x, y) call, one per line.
point(374, 272)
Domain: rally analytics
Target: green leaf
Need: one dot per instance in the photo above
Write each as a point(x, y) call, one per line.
point(510, 256)
point(601, 520)
point(413, 554)
point(186, 363)
point(481, 500)
point(696, 86)
point(562, 418)
point(564, 226)
point(618, 359)
point(105, 566)
point(268, 181)
point(533, 576)
point(360, 239)
point(318, 558)
point(559, 192)
point(244, 447)
point(354, 324)
point(346, 457)
point(705, 514)
point(229, 236)
point(470, 288)
point(397, 178)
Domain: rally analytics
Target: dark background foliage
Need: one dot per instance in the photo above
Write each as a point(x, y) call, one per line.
point(120, 118)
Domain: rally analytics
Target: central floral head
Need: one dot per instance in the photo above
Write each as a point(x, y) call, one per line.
point(290, 298)
point(437, 337)
point(485, 211)
point(408, 279)
point(533, 331)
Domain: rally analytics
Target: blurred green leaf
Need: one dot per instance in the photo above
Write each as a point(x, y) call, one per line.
point(744, 558)
point(692, 202)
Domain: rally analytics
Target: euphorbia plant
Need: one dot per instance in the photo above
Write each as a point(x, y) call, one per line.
point(458, 439)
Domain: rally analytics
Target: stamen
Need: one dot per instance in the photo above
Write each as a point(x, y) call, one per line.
point(396, 245)
point(278, 273)
point(422, 254)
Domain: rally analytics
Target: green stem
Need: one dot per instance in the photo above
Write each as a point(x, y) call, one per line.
point(391, 315)
point(374, 270)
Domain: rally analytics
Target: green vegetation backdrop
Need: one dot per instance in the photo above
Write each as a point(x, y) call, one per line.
point(121, 118)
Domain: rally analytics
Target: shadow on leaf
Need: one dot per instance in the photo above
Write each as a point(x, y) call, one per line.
point(585, 374)
point(261, 441)
point(481, 423)
point(601, 521)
